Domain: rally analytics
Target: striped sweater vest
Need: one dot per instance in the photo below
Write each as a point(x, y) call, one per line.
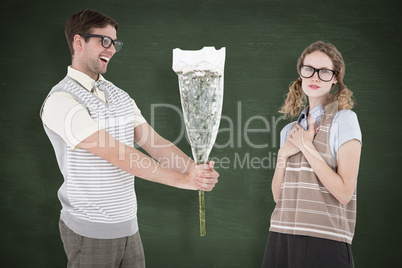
point(305, 207)
point(98, 199)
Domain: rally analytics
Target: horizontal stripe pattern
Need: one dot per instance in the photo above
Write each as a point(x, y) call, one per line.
point(97, 190)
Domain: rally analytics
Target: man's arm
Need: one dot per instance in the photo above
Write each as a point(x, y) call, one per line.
point(138, 164)
point(161, 149)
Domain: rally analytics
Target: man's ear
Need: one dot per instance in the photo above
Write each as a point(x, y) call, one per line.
point(78, 42)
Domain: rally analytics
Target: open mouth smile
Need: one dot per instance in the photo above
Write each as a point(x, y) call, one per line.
point(104, 59)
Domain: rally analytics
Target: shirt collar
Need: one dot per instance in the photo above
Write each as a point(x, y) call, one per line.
point(316, 114)
point(86, 81)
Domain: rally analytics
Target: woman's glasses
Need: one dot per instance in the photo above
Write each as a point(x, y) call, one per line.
point(325, 75)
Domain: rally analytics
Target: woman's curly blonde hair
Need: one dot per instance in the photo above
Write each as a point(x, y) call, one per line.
point(296, 100)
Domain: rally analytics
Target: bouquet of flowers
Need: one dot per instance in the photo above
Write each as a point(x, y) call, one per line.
point(200, 76)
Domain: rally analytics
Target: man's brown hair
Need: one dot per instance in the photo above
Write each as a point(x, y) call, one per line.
point(83, 22)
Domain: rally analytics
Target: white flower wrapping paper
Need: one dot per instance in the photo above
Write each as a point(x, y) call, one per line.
point(207, 58)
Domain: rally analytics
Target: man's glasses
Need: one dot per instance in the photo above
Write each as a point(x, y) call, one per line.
point(325, 75)
point(106, 41)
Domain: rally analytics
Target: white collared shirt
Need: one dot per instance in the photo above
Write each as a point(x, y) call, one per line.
point(86, 81)
point(59, 104)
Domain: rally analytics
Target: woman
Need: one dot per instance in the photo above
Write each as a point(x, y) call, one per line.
point(314, 184)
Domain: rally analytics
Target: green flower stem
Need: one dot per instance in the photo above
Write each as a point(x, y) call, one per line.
point(201, 199)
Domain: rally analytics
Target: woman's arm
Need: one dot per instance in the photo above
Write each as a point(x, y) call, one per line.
point(287, 150)
point(278, 177)
point(340, 184)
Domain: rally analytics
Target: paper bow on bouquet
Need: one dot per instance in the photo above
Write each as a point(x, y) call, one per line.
point(200, 74)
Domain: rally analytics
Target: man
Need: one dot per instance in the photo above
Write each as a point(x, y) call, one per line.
point(92, 126)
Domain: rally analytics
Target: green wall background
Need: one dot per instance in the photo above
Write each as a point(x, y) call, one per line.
point(263, 40)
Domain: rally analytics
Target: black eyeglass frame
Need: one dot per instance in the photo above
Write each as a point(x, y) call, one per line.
point(318, 72)
point(113, 42)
